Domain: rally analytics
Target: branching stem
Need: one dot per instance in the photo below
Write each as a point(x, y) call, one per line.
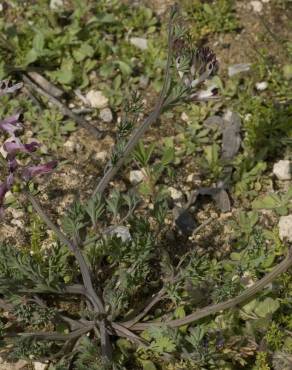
point(233, 302)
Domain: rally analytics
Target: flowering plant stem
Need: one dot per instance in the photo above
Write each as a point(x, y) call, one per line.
point(153, 116)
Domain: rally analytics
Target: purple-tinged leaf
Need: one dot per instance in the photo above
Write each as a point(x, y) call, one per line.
point(11, 124)
point(5, 186)
point(32, 171)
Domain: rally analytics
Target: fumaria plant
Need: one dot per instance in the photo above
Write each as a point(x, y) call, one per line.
point(83, 304)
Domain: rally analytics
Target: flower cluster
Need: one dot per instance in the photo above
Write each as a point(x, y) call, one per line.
point(13, 146)
point(194, 69)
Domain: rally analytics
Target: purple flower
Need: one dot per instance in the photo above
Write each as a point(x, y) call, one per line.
point(15, 146)
point(11, 124)
point(4, 188)
point(204, 65)
point(12, 165)
point(32, 171)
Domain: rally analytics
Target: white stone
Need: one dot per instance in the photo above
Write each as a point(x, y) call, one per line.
point(175, 194)
point(56, 4)
point(184, 117)
point(101, 156)
point(257, 6)
point(285, 228)
point(39, 366)
point(70, 145)
point(136, 176)
point(190, 177)
point(121, 232)
point(106, 115)
point(139, 42)
point(238, 68)
point(1, 7)
point(96, 99)
point(282, 170)
point(261, 86)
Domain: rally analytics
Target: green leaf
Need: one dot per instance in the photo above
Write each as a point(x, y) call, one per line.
point(267, 307)
point(282, 211)
point(250, 306)
point(168, 156)
point(83, 52)
point(148, 365)
point(108, 18)
point(163, 344)
point(65, 74)
point(125, 68)
point(30, 57)
point(270, 201)
point(208, 9)
point(38, 42)
point(287, 71)
point(235, 256)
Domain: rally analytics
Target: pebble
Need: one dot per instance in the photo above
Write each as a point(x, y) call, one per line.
point(144, 81)
point(19, 365)
point(96, 99)
point(257, 6)
point(106, 115)
point(56, 4)
point(101, 156)
point(121, 232)
point(139, 42)
point(136, 176)
point(261, 86)
point(191, 177)
point(285, 228)
point(70, 145)
point(39, 366)
point(184, 117)
point(282, 170)
point(175, 194)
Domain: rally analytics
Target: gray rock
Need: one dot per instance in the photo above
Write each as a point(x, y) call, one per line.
point(106, 115)
point(184, 221)
point(282, 170)
point(144, 81)
point(139, 42)
point(285, 228)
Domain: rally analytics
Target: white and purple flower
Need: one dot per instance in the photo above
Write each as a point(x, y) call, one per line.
point(13, 146)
